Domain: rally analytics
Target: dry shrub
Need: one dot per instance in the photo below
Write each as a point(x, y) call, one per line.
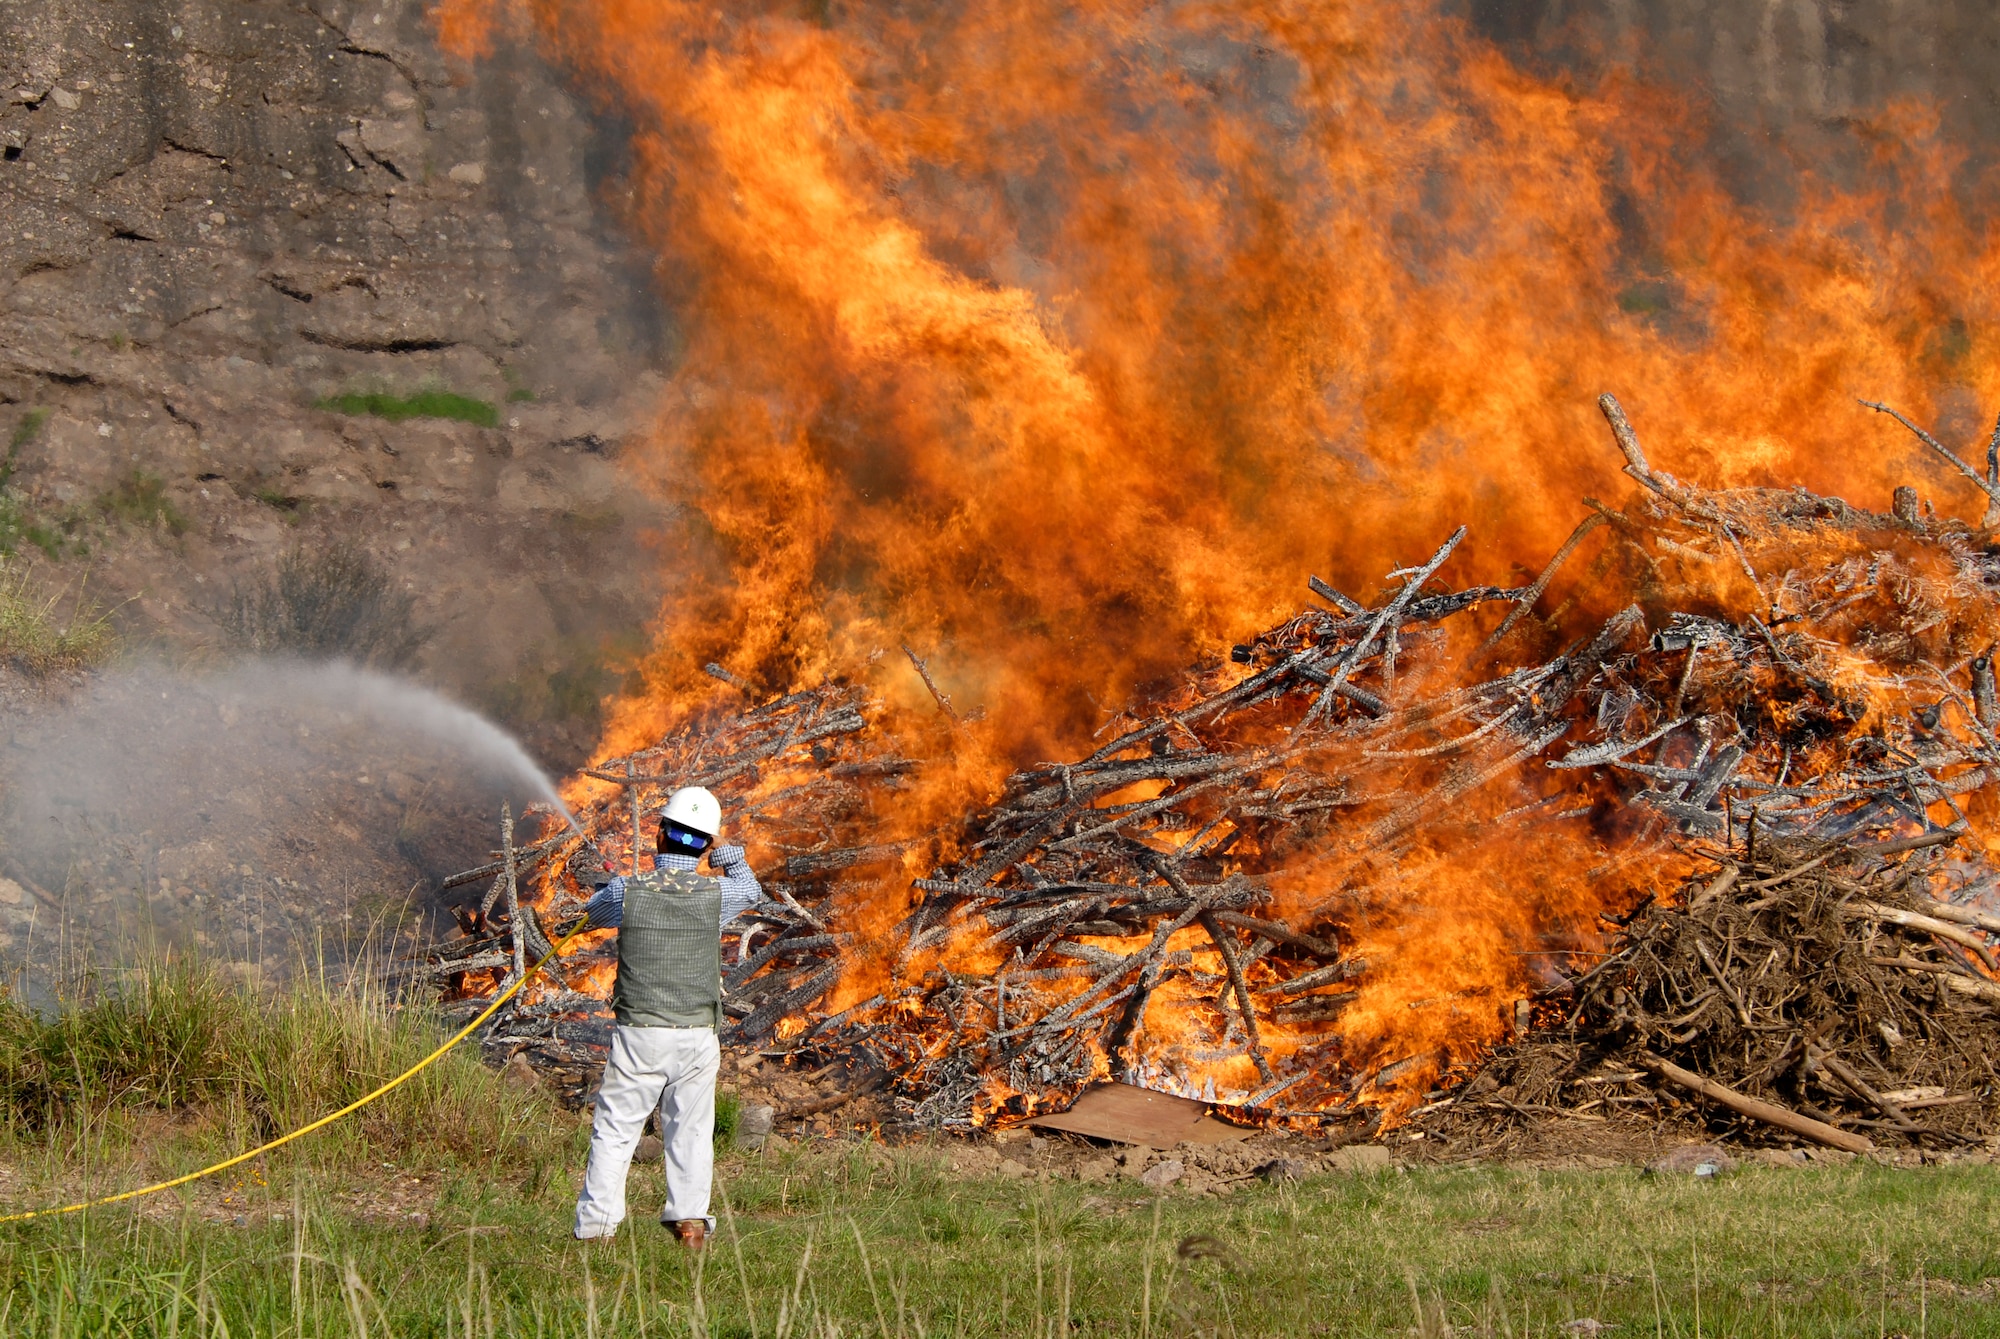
point(333, 603)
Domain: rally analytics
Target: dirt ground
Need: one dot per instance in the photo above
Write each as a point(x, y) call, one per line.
point(808, 1108)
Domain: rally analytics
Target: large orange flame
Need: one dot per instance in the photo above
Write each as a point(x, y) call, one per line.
point(1058, 340)
point(1062, 337)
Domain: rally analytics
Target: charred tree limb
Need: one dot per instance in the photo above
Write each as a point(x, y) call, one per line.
point(1244, 1007)
point(804, 866)
point(1453, 788)
point(1986, 486)
point(846, 721)
point(1135, 961)
point(779, 948)
point(1526, 602)
point(531, 854)
point(1321, 976)
point(513, 893)
point(1208, 706)
point(1281, 933)
point(1628, 444)
point(1360, 697)
point(1173, 799)
point(766, 1016)
point(1333, 597)
point(1411, 588)
point(937, 694)
point(1114, 774)
point(985, 870)
point(1131, 1022)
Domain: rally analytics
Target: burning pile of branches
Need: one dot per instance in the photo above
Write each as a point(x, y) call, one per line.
point(1331, 870)
point(1809, 989)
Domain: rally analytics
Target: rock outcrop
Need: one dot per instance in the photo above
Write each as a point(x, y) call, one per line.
point(213, 218)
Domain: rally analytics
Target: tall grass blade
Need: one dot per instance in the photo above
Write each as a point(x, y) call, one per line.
point(881, 1320)
point(742, 1275)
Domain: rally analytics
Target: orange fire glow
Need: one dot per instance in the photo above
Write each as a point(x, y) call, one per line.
point(1059, 341)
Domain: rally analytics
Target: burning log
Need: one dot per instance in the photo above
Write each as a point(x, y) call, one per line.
point(525, 855)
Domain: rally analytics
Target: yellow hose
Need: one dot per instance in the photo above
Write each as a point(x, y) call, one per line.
point(323, 1121)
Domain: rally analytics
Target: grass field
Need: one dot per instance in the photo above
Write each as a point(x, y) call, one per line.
point(429, 402)
point(398, 1227)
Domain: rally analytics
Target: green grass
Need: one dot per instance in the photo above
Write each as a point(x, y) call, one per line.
point(292, 506)
point(175, 1036)
point(43, 631)
point(446, 1213)
point(429, 403)
point(18, 521)
point(852, 1244)
point(55, 534)
point(24, 432)
point(140, 498)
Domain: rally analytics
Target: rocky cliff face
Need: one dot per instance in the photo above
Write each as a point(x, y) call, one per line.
point(215, 216)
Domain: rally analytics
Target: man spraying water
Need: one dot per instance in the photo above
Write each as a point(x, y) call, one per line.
point(668, 1002)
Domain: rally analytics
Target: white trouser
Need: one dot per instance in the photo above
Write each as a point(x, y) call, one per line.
point(676, 1069)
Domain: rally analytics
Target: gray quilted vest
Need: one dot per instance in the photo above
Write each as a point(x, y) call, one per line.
point(670, 952)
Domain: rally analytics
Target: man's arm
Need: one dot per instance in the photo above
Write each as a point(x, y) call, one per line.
point(740, 889)
point(606, 907)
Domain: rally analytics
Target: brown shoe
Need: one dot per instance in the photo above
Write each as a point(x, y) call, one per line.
point(691, 1232)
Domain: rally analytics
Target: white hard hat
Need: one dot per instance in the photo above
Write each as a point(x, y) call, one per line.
point(692, 807)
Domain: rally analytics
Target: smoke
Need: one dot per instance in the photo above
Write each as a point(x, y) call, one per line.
point(268, 813)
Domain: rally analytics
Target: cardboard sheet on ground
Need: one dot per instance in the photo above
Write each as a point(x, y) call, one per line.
point(1137, 1116)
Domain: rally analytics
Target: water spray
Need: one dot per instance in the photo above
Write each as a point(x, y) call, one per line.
point(173, 803)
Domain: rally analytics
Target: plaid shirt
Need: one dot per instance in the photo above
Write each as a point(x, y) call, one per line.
point(740, 889)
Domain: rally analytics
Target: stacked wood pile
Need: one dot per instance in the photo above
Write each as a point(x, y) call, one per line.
point(1730, 663)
